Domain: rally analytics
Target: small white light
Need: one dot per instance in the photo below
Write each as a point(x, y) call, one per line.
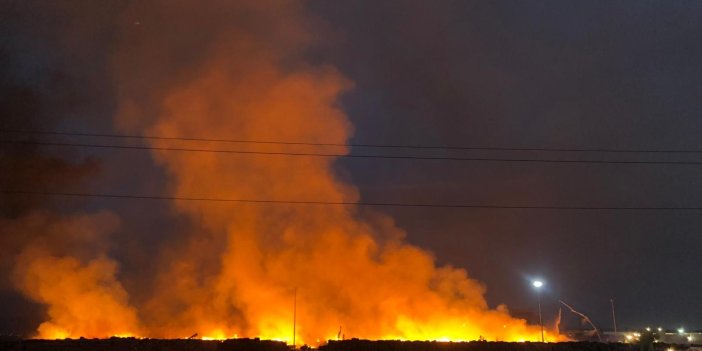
point(537, 283)
point(681, 330)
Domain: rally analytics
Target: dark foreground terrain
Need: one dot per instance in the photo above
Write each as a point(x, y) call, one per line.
point(387, 345)
point(133, 344)
point(127, 344)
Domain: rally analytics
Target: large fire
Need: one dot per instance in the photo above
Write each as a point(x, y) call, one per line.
point(251, 270)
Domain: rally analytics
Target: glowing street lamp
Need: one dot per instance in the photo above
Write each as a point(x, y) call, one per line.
point(537, 285)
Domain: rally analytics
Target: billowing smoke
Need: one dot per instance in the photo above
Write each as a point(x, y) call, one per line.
point(80, 290)
point(239, 70)
point(36, 92)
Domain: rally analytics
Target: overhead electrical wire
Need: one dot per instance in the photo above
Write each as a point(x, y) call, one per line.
point(318, 154)
point(367, 156)
point(361, 145)
point(360, 203)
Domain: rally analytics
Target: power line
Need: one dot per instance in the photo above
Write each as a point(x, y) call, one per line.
point(364, 145)
point(361, 203)
point(311, 154)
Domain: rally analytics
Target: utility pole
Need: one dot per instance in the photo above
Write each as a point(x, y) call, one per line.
point(614, 319)
point(294, 316)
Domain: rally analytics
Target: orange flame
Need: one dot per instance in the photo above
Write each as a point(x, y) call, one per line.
point(236, 272)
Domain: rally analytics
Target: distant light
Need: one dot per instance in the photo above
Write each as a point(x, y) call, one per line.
point(681, 330)
point(648, 329)
point(537, 283)
point(660, 329)
point(670, 349)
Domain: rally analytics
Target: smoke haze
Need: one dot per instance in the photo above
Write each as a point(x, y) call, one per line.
point(232, 70)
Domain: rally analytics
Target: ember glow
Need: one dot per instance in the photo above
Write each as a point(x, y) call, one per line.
point(241, 268)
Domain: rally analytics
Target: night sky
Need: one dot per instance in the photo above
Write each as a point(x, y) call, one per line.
point(504, 74)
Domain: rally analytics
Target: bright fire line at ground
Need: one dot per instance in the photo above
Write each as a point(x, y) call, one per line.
point(456, 335)
point(231, 268)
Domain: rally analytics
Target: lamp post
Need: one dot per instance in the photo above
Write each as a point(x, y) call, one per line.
point(538, 284)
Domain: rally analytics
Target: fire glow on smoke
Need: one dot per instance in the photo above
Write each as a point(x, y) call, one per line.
point(235, 274)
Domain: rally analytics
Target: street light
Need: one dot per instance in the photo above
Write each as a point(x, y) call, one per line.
point(538, 284)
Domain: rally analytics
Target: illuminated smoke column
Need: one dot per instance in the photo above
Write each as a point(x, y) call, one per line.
point(63, 267)
point(238, 70)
